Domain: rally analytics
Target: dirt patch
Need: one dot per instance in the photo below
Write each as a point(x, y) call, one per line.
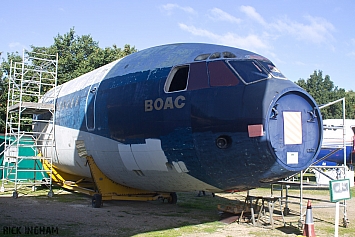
point(71, 214)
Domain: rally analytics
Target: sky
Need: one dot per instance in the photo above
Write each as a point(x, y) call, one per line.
point(299, 37)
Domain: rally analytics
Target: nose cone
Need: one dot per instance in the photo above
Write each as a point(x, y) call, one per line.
point(294, 129)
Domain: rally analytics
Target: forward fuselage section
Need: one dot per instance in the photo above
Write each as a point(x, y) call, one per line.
point(183, 117)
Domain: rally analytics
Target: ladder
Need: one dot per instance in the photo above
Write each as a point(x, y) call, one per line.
point(28, 104)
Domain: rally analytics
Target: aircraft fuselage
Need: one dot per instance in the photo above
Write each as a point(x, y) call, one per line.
point(186, 117)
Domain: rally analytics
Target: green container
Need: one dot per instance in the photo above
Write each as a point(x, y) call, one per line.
point(25, 166)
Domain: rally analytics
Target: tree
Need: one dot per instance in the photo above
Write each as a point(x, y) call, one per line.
point(324, 91)
point(77, 55)
point(350, 104)
point(80, 54)
point(4, 79)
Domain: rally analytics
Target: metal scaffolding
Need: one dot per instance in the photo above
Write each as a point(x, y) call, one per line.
point(29, 80)
point(285, 185)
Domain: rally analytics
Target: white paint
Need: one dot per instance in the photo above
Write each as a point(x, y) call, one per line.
point(148, 156)
point(109, 157)
point(85, 80)
point(180, 167)
point(333, 132)
point(127, 157)
point(183, 166)
point(324, 180)
point(336, 224)
point(177, 167)
point(292, 158)
point(292, 128)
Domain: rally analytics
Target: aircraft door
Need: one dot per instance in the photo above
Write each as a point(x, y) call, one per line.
point(90, 107)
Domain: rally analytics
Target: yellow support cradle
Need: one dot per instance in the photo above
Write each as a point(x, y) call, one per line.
point(100, 187)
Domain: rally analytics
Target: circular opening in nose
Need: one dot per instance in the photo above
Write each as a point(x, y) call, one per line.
point(223, 142)
point(294, 132)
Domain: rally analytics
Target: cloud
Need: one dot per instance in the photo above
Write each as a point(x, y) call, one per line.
point(318, 30)
point(218, 14)
point(257, 33)
point(169, 8)
point(195, 31)
point(251, 13)
point(299, 63)
point(14, 45)
point(250, 41)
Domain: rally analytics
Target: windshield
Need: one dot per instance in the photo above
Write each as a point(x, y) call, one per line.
point(248, 70)
point(255, 70)
point(272, 69)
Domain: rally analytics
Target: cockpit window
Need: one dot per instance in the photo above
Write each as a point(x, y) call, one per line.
point(215, 55)
point(221, 75)
point(272, 69)
point(228, 55)
point(198, 76)
point(248, 70)
point(202, 57)
point(177, 79)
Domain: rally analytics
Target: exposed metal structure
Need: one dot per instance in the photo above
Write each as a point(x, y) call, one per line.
point(340, 175)
point(29, 80)
point(344, 166)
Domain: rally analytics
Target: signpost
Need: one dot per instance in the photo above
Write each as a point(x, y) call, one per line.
point(339, 191)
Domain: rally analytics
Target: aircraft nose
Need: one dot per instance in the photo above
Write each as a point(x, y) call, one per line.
point(294, 129)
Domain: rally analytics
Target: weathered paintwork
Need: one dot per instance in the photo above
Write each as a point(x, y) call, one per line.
point(224, 130)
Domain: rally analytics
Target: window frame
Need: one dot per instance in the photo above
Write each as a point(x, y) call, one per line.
point(228, 67)
point(269, 76)
point(171, 75)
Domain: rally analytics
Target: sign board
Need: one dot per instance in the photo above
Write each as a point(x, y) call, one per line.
point(339, 190)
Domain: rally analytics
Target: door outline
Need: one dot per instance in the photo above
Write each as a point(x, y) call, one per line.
point(90, 107)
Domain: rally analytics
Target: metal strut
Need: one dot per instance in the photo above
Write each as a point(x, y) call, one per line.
point(100, 187)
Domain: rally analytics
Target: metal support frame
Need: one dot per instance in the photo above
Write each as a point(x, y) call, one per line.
point(345, 219)
point(301, 184)
point(29, 80)
point(344, 130)
point(259, 214)
point(100, 187)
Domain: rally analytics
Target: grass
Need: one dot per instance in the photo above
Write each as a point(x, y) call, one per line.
point(186, 229)
point(60, 194)
point(196, 215)
point(191, 201)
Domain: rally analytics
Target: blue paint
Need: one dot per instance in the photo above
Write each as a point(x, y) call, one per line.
point(337, 157)
point(189, 133)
